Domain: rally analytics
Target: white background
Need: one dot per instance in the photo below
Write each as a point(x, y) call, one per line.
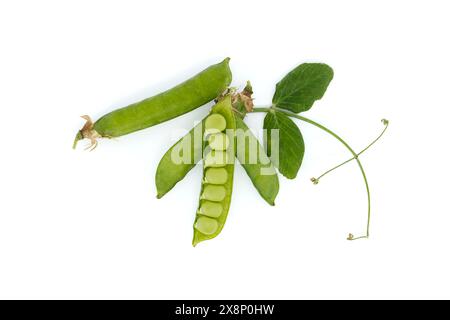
point(76, 224)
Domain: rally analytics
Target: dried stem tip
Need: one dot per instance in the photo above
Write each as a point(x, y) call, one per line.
point(87, 132)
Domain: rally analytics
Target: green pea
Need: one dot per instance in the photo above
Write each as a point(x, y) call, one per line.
point(210, 209)
point(261, 171)
point(216, 175)
point(214, 193)
point(216, 158)
point(206, 225)
point(191, 94)
point(215, 123)
point(218, 141)
point(217, 183)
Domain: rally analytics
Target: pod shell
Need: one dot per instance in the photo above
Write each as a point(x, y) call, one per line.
point(192, 93)
point(266, 184)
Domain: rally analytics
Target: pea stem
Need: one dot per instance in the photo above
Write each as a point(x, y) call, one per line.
point(337, 137)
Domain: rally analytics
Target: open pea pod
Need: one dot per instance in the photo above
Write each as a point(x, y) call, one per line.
point(249, 152)
point(218, 170)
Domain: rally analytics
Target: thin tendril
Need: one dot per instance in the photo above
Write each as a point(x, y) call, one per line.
point(355, 156)
point(386, 124)
point(316, 180)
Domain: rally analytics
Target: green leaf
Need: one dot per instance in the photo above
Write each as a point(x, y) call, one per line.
point(289, 145)
point(298, 90)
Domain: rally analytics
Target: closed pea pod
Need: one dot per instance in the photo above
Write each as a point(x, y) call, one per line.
point(217, 183)
point(192, 93)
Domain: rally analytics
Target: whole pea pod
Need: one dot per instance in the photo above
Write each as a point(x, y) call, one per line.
point(218, 170)
point(191, 94)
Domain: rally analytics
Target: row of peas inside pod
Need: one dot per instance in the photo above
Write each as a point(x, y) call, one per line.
point(218, 169)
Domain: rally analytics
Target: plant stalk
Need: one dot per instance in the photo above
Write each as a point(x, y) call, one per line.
point(342, 141)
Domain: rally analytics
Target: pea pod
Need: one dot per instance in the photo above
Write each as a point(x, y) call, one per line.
point(193, 93)
point(170, 172)
point(217, 183)
point(258, 166)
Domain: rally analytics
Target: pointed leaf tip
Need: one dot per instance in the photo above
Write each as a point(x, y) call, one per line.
point(301, 87)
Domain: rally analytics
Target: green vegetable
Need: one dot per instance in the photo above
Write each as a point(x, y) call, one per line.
point(260, 169)
point(215, 197)
point(216, 175)
point(215, 123)
point(169, 173)
point(216, 158)
point(210, 209)
point(206, 226)
point(213, 192)
point(218, 141)
point(192, 93)
point(223, 136)
point(249, 151)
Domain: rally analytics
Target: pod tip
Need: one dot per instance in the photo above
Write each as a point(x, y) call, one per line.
point(78, 137)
